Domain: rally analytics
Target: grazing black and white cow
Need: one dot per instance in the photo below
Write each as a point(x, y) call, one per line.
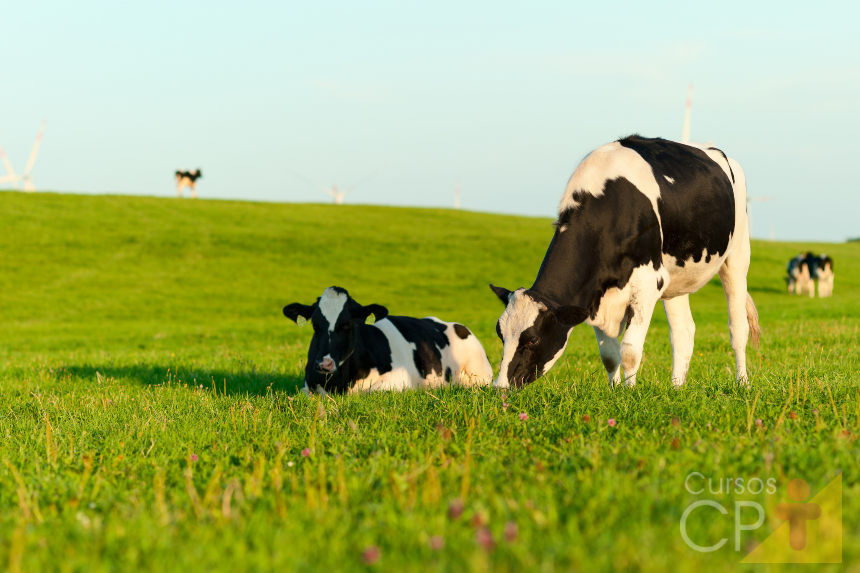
point(805, 270)
point(641, 220)
point(393, 353)
point(187, 179)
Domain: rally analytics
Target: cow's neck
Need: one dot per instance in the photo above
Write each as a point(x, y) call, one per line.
point(566, 274)
point(359, 361)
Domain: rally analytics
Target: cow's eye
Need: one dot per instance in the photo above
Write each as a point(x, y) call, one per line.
point(532, 342)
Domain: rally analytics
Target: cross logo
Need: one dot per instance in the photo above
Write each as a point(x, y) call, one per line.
point(806, 531)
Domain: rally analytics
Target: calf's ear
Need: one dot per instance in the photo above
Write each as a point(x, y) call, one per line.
point(296, 310)
point(501, 292)
point(570, 315)
point(377, 310)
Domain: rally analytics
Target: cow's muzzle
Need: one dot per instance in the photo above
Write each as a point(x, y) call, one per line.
point(326, 365)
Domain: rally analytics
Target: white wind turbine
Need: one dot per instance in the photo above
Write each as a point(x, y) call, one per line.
point(685, 136)
point(334, 192)
point(27, 176)
point(759, 199)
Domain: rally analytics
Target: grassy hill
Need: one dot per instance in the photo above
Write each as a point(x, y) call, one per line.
point(116, 310)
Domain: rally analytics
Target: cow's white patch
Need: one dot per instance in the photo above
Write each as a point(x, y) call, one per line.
point(669, 179)
point(612, 310)
point(466, 359)
point(607, 163)
point(331, 305)
point(692, 276)
point(520, 314)
point(562, 229)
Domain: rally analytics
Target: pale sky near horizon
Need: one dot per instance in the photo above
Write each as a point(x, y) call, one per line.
point(503, 98)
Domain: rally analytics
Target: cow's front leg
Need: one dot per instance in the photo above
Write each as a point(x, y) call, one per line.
point(682, 331)
point(634, 339)
point(610, 354)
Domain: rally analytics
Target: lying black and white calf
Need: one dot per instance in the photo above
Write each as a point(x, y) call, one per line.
point(393, 353)
point(641, 220)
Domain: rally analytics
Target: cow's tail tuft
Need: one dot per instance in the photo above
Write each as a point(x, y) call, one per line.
point(752, 318)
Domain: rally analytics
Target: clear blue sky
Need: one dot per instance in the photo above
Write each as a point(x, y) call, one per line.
point(504, 98)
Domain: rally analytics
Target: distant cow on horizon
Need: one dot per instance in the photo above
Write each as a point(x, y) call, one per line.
point(187, 179)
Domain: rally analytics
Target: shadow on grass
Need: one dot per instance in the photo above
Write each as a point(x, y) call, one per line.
point(766, 289)
point(224, 382)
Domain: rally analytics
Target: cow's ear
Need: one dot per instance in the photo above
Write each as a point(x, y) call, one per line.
point(501, 292)
point(296, 310)
point(570, 315)
point(377, 310)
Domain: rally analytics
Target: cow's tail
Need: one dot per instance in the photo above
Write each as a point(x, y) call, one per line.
point(752, 319)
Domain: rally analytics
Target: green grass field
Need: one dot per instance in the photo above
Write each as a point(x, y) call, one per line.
point(148, 399)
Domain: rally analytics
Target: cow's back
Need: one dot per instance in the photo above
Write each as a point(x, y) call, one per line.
point(696, 203)
point(428, 352)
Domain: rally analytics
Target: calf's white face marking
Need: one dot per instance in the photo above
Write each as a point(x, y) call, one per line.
point(669, 179)
point(331, 305)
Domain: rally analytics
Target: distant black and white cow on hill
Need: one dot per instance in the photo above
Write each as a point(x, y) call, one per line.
point(393, 353)
point(805, 270)
point(641, 220)
point(187, 179)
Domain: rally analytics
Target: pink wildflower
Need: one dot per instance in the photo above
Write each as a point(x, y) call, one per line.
point(371, 555)
point(306, 452)
point(524, 416)
point(611, 422)
point(455, 508)
point(485, 539)
point(193, 457)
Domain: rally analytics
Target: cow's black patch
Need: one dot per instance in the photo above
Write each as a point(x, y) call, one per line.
point(726, 157)
point(429, 338)
point(812, 263)
point(536, 347)
point(462, 331)
point(192, 175)
point(370, 349)
point(660, 283)
point(697, 211)
point(606, 238)
point(449, 377)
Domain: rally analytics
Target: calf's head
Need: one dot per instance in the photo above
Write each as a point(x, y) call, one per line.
point(534, 333)
point(335, 317)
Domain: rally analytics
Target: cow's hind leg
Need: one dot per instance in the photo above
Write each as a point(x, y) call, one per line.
point(682, 331)
point(733, 275)
point(610, 354)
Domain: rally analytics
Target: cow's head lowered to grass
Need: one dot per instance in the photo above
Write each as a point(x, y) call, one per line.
point(534, 333)
point(334, 316)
